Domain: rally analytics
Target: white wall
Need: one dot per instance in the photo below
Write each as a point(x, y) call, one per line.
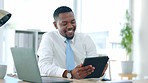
point(6, 41)
point(1, 35)
point(1, 45)
point(140, 13)
point(1, 4)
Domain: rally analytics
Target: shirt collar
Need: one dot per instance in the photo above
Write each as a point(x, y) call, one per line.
point(64, 39)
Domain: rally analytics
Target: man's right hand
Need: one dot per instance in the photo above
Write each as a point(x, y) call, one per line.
point(81, 72)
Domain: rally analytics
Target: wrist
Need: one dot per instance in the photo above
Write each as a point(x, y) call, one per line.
point(67, 74)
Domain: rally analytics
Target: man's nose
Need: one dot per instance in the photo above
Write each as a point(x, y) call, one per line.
point(70, 25)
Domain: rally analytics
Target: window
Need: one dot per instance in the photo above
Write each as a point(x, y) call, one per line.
point(102, 16)
point(34, 14)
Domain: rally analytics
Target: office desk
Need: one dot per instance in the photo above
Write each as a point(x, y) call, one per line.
point(8, 79)
point(15, 80)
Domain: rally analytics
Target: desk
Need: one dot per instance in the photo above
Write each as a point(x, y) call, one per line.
point(15, 80)
point(129, 76)
point(8, 79)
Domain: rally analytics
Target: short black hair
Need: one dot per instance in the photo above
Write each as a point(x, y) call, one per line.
point(61, 9)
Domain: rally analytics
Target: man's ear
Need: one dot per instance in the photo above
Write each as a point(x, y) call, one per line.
point(55, 24)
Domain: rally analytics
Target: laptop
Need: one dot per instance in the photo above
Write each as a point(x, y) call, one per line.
point(27, 68)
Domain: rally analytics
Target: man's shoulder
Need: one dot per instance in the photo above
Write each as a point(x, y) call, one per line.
point(51, 33)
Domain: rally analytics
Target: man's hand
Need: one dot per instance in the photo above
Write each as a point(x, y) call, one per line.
point(105, 69)
point(81, 72)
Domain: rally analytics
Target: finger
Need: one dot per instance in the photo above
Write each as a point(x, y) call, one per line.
point(79, 66)
point(84, 74)
point(89, 67)
point(91, 70)
point(81, 72)
point(106, 66)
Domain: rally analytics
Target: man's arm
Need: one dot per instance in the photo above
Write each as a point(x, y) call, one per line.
point(45, 52)
point(80, 72)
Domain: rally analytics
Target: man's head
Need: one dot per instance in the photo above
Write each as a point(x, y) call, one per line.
point(64, 21)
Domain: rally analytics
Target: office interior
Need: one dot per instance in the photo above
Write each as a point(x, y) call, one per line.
point(36, 16)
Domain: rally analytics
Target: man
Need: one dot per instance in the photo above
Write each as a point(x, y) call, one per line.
point(52, 49)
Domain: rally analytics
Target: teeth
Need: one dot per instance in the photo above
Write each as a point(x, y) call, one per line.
point(70, 31)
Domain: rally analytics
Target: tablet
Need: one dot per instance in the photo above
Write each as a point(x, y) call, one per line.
point(99, 63)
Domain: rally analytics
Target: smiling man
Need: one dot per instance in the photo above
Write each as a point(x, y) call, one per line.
point(54, 59)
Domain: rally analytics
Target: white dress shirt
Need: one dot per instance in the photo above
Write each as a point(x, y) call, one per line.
point(51, 52)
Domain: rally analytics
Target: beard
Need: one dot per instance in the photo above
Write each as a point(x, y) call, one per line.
point(69, 37)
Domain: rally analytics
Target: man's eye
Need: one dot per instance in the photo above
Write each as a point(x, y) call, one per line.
point(73, 22)
point(64, 24)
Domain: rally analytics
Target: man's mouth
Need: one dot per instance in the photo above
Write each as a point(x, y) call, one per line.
point(70, 29)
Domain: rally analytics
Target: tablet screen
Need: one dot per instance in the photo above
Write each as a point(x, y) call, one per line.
point(99, 63)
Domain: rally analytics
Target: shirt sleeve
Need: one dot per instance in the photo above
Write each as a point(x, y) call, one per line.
point(90, 47)
point(45, 62)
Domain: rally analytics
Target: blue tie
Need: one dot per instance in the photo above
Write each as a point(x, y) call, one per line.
point(69, 56)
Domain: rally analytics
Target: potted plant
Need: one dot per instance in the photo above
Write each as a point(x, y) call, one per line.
point(126, 43)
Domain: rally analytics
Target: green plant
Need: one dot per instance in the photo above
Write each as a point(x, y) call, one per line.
point(127, 35)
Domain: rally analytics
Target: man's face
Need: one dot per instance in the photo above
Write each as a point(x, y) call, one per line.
point(66, 24)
